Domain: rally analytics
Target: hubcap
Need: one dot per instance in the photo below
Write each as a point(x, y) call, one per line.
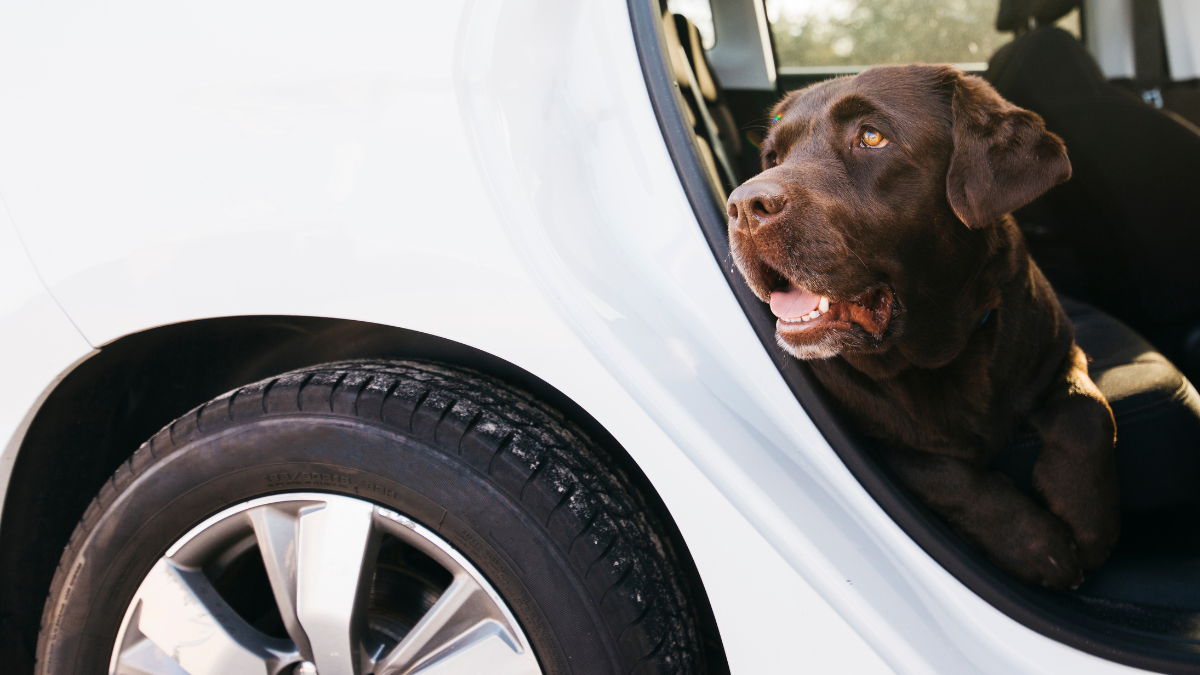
point(316, 584)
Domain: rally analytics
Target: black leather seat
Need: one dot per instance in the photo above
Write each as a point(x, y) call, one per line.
point(1127, 216)
point(1157, 410)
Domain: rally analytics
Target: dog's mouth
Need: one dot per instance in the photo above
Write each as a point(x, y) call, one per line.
point(800, 310)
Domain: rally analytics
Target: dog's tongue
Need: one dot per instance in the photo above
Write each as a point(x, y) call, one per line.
point(793, 302)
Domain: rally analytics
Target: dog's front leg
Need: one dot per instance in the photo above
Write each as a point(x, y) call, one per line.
point(1076, 472)
point(987, 510)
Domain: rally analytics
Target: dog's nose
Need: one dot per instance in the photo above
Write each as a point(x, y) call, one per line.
point(760, 202)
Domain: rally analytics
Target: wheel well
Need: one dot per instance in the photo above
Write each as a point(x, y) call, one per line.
point(105, 408)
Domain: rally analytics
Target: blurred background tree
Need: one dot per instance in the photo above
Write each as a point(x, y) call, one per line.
point(865, 32)
point(838, 33)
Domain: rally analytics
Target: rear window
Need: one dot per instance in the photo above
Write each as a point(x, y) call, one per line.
point(846, 35)
point(700, 13)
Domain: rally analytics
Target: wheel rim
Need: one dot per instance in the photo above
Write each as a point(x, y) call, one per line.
point(341, 604)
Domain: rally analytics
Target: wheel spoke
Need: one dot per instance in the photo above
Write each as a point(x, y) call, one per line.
point(276, 529)
point(335, 557)
point(139, 656)
point(463, 632)
point(190, 626)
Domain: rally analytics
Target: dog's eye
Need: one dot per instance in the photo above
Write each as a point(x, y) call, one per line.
point(770, 158)
point(870, 138)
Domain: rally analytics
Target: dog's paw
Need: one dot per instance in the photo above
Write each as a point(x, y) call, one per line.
point(1095, 545)
point(1045, 553)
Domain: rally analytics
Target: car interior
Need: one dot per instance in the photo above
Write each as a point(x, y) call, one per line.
point(1119, 242)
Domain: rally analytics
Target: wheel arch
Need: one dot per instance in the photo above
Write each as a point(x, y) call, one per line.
point(100, 412)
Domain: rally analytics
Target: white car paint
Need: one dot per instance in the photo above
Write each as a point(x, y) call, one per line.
point(490, 172)
point(38, 345)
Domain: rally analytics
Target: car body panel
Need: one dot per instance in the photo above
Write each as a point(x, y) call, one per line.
point(38, 345)
point(490, 172)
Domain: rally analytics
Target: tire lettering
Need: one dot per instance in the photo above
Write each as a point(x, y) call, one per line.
point(380, 489)
point(301, 477)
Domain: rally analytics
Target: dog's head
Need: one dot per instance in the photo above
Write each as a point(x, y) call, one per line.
point(876, 208)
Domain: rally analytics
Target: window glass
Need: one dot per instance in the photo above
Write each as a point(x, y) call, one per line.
point(827, 34)
point(700, 13)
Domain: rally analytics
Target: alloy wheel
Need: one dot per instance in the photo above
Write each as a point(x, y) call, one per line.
point(316, 584)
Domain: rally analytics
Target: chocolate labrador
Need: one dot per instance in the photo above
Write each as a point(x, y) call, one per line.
point(880, 233)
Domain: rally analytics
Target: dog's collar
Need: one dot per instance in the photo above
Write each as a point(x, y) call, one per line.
point(985, 318)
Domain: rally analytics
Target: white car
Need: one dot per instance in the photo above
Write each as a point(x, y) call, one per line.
point(383, 337)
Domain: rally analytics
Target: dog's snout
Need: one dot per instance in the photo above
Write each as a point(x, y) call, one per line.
point(758, 202)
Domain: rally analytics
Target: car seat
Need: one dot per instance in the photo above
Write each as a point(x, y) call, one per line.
point(712, 123)
point(1127, 218)
point(1155, 567)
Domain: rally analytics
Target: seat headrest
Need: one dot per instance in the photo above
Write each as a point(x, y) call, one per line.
point(676, 27)
point(1014, 15)
point(1044, 67)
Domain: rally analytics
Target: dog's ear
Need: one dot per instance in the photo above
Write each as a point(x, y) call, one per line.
point(1003, 156)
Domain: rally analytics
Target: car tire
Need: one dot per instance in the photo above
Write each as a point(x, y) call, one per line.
point(536, 507)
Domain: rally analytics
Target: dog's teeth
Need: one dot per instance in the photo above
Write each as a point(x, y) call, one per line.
point(806, 318)
point(814, 314)
point(824, 306)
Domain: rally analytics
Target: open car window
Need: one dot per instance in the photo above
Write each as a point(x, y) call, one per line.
point(834, 36)
point(699, 12)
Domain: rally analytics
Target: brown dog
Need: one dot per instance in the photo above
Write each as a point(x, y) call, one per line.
point(879, 231)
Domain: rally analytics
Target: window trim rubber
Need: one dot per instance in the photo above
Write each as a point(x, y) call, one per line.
point(1034, 608)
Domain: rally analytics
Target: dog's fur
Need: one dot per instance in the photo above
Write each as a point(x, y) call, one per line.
point(943, 336)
